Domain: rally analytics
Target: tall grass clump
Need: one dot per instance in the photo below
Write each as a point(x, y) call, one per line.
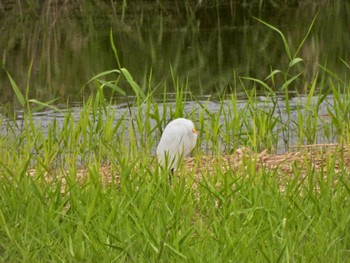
point(85, 186)
point(280, 118)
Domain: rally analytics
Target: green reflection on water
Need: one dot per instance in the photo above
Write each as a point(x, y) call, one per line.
point(204, 45)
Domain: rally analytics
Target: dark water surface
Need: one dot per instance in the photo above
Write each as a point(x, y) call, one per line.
point(202, 47)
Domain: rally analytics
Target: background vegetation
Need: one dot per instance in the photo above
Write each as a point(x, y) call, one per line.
point(85, 185)
point(202, 42)
point(88, 188)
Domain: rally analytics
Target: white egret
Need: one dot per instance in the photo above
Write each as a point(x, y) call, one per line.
point(178, 140)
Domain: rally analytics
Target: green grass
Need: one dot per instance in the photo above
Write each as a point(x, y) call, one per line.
point(240, 215)
point(230, 216)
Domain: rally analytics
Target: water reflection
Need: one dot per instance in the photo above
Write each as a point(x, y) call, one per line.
point(201, 47)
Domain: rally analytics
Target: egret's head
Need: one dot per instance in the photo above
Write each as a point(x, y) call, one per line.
point(190, 127)
point(194, 131)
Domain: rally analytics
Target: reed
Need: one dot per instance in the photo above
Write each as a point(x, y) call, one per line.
point(58, 205)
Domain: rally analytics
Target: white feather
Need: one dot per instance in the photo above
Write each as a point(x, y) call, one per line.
point(177, 141)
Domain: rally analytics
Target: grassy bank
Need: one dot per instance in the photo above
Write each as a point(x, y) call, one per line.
point(49, 212)
point(58, 205)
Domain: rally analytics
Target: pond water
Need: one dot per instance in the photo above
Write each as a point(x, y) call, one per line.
point(287, 133)
point(202, 46)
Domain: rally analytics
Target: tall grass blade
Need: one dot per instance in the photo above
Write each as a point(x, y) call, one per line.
point(17, 90)
point(307, 34)
point(295, 61)
point(114, 48)
point(42, 105)
point(285, 42)
point(28, 78)
point(136, 88)
point(105, 73)
point(113, 87)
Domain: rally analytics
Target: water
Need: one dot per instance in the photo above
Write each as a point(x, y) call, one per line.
point(286, 137)
point(204, 47)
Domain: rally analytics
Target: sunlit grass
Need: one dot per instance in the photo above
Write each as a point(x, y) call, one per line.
point(240, 215)
point(58, 205)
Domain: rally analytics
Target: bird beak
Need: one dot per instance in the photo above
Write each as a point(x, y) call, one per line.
point(194, 131)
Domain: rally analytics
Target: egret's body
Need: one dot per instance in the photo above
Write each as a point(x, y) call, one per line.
point(178, 140)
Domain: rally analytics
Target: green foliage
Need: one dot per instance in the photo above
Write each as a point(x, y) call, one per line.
point(242, 215)
point(52, 211)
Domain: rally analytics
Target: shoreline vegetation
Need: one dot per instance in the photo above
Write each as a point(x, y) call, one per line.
point(117, 206)
point(206, 44)
point(87, 188)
